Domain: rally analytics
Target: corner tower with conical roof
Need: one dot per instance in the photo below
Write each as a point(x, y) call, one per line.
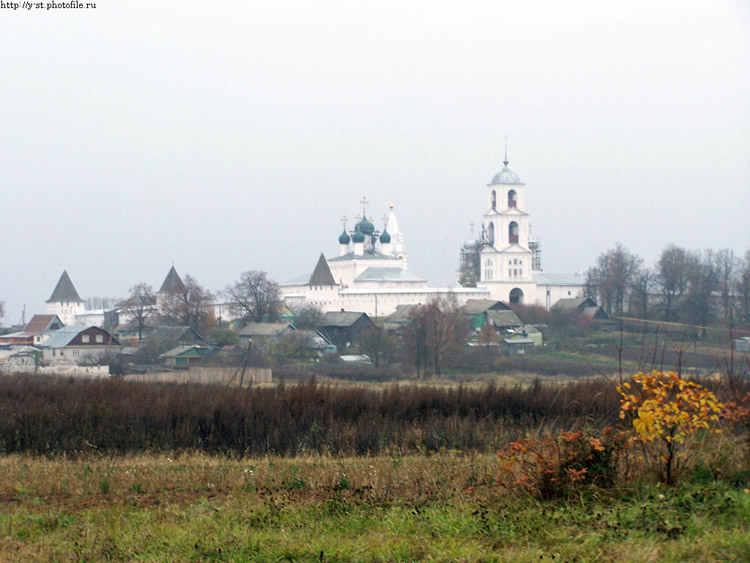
point(172, 283)
point(65, 301)
point(507, 259)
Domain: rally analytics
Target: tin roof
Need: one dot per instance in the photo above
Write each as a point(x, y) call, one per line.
point(63, 336)
point(40, 323)
point(388, 275)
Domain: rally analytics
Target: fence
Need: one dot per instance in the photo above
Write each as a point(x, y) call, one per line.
point(207, 375)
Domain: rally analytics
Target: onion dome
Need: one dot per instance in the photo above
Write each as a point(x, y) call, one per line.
point(344, 238)
point(358, 235)
point(385, 238)
point(365, 226)
point(471, 244)
point(506, 176)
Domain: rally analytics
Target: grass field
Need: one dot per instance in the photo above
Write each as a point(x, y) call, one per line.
point(443, 507)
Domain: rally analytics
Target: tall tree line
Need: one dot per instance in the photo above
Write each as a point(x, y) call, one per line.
point(689, 286)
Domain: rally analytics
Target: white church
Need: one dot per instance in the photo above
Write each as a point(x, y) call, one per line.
point(371, 272)
point(510, 263)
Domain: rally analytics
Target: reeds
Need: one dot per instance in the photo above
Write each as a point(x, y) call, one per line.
point(52, 416)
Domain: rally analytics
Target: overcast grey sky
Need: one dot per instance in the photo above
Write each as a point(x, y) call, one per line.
point(232, 135)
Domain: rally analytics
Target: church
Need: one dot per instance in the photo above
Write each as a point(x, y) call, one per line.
point(371, 272)
point(506, 258)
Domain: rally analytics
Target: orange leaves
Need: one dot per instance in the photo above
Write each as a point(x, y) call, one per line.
point(553, 466)
point(596, 444)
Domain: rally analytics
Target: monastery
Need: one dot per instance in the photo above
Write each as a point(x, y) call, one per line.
point(371, 272)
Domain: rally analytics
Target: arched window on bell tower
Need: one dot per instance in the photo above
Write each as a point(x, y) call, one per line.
point(512, 198)
point(513, 232)
point(491, 233)
point(494, 200)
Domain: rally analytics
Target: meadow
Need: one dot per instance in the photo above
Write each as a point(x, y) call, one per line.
point(111, 470)
point(442, 507)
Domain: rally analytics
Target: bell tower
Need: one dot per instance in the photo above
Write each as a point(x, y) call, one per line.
point(507, 258)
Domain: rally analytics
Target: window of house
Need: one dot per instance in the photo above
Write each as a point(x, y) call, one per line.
point(85, 338)
point(99, 338)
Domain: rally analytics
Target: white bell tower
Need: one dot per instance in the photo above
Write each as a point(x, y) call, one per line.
point(507, 259)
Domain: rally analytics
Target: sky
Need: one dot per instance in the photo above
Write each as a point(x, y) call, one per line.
point(229, 136)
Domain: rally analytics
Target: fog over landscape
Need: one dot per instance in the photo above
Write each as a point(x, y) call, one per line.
point(228, 136)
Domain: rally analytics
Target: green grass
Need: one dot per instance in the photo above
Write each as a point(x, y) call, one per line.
point(444, 507)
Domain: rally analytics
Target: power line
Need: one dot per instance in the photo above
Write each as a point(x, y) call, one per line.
point(634, 319)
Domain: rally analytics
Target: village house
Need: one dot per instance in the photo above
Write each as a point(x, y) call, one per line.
point(583, 306)
point(186, 356)
point(36, 331)
point(262, 334)
point(344, 328)
point(488, 312)
point(74, 344)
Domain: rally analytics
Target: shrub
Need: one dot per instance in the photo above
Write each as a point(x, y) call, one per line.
point(556, 466)
point(665, 410)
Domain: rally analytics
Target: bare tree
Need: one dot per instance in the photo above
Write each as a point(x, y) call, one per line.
point(2, 309)
point(436, 332)
point(743, 290)
point(254, 297)
point(612, 277)
point(191, 307)
point(673, 276)
point(141, 306)
point(726, 272)
point(378, 344)
point(703, 282)
point(415, 339)
point(643, 284)
point(307, 316)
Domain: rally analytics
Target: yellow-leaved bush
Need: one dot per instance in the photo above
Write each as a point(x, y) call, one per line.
point(665, 409)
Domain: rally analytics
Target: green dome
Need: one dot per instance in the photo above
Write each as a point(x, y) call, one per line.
point(385, 238)
point(365, 226)
point(358, 235)
point(344, 238)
